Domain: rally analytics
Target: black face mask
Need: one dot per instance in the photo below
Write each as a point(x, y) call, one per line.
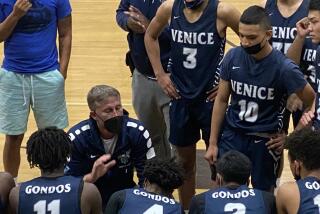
point(254, 49)
point(114, 125)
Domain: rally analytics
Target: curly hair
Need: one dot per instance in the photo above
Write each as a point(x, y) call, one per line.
point(304, 145)
point(48, 149)
point(167, 174)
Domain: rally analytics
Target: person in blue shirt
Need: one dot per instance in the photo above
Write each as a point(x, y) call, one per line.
point(233, 194)
point(33, 72)
point(108, 131)
point(303, 195)
point(6, 184)
point(198, 34)
point(258, 78)
point(162, 177)
point(309, 27)
point(150, 103)
point(48, 149)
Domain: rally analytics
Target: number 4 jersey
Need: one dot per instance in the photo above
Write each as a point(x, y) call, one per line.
point(51, 195)
point(237, 200)
point(196, 50)
point(259, 89)
point(139, 201)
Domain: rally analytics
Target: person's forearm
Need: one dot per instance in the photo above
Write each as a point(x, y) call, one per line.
point(153, 50)
point(7, 26)
point(64, 53)
point(217, 118)
point(122, 18)
point(295, 49)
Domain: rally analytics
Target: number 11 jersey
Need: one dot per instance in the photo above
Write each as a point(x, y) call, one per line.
point(51, 195)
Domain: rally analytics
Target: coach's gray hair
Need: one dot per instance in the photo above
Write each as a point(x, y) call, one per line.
point(100, 93)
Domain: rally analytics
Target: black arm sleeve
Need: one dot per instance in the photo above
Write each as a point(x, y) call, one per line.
point(197, 204)
point(270, 202)
point(115, 202)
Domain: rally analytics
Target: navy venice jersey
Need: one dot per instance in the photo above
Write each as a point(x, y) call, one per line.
point(309, 189)
point(316, 123)
point(140, 201)
point(239, 200)
point(196, 50)
point(259, 89)
point(284, 31)
point(51, 195)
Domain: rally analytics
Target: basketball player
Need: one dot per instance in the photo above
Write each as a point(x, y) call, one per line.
point(53, 192)
point(198, 31)
point(302, 196)
point(233, 195)
point(258, 78)
point(162, 177)
point(311, 26)
point(284, 14)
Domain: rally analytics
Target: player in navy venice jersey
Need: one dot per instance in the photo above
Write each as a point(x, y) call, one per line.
point(311, 26)
point(284, 14)
point(302, 196)
point(53, 192)
point(162, 177)
point(233, 195)
point(198, 31)
point(258, 78)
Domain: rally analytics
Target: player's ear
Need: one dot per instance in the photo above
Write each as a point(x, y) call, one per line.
point(269, 34)
point(297, 167)
point(93, 115)
point(145, 183)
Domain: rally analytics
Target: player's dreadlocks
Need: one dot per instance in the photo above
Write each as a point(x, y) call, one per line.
point(48, 149)
point(304, 145)
point(167, 174)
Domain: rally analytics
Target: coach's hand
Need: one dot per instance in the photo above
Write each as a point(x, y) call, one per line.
point(100, 167)
point(167, 86)
point(211, 154)
point(21, 7)
point(276, 143)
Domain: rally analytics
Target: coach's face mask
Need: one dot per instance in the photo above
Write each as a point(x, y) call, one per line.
point(114, 124)
point(193, 4)
point(254, 49)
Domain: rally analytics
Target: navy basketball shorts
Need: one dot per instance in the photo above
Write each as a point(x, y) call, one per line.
point(264, 162)
point(187, 118)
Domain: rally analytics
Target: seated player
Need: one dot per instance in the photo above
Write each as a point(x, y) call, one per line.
point(302, 196)
point(233, 195)
point(49, 149)
point(161, 178)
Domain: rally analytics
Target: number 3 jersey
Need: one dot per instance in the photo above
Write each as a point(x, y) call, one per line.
point(51, 195)
point(196, 50)
point(233, 200)
point(258, 89)
point(309, 189)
